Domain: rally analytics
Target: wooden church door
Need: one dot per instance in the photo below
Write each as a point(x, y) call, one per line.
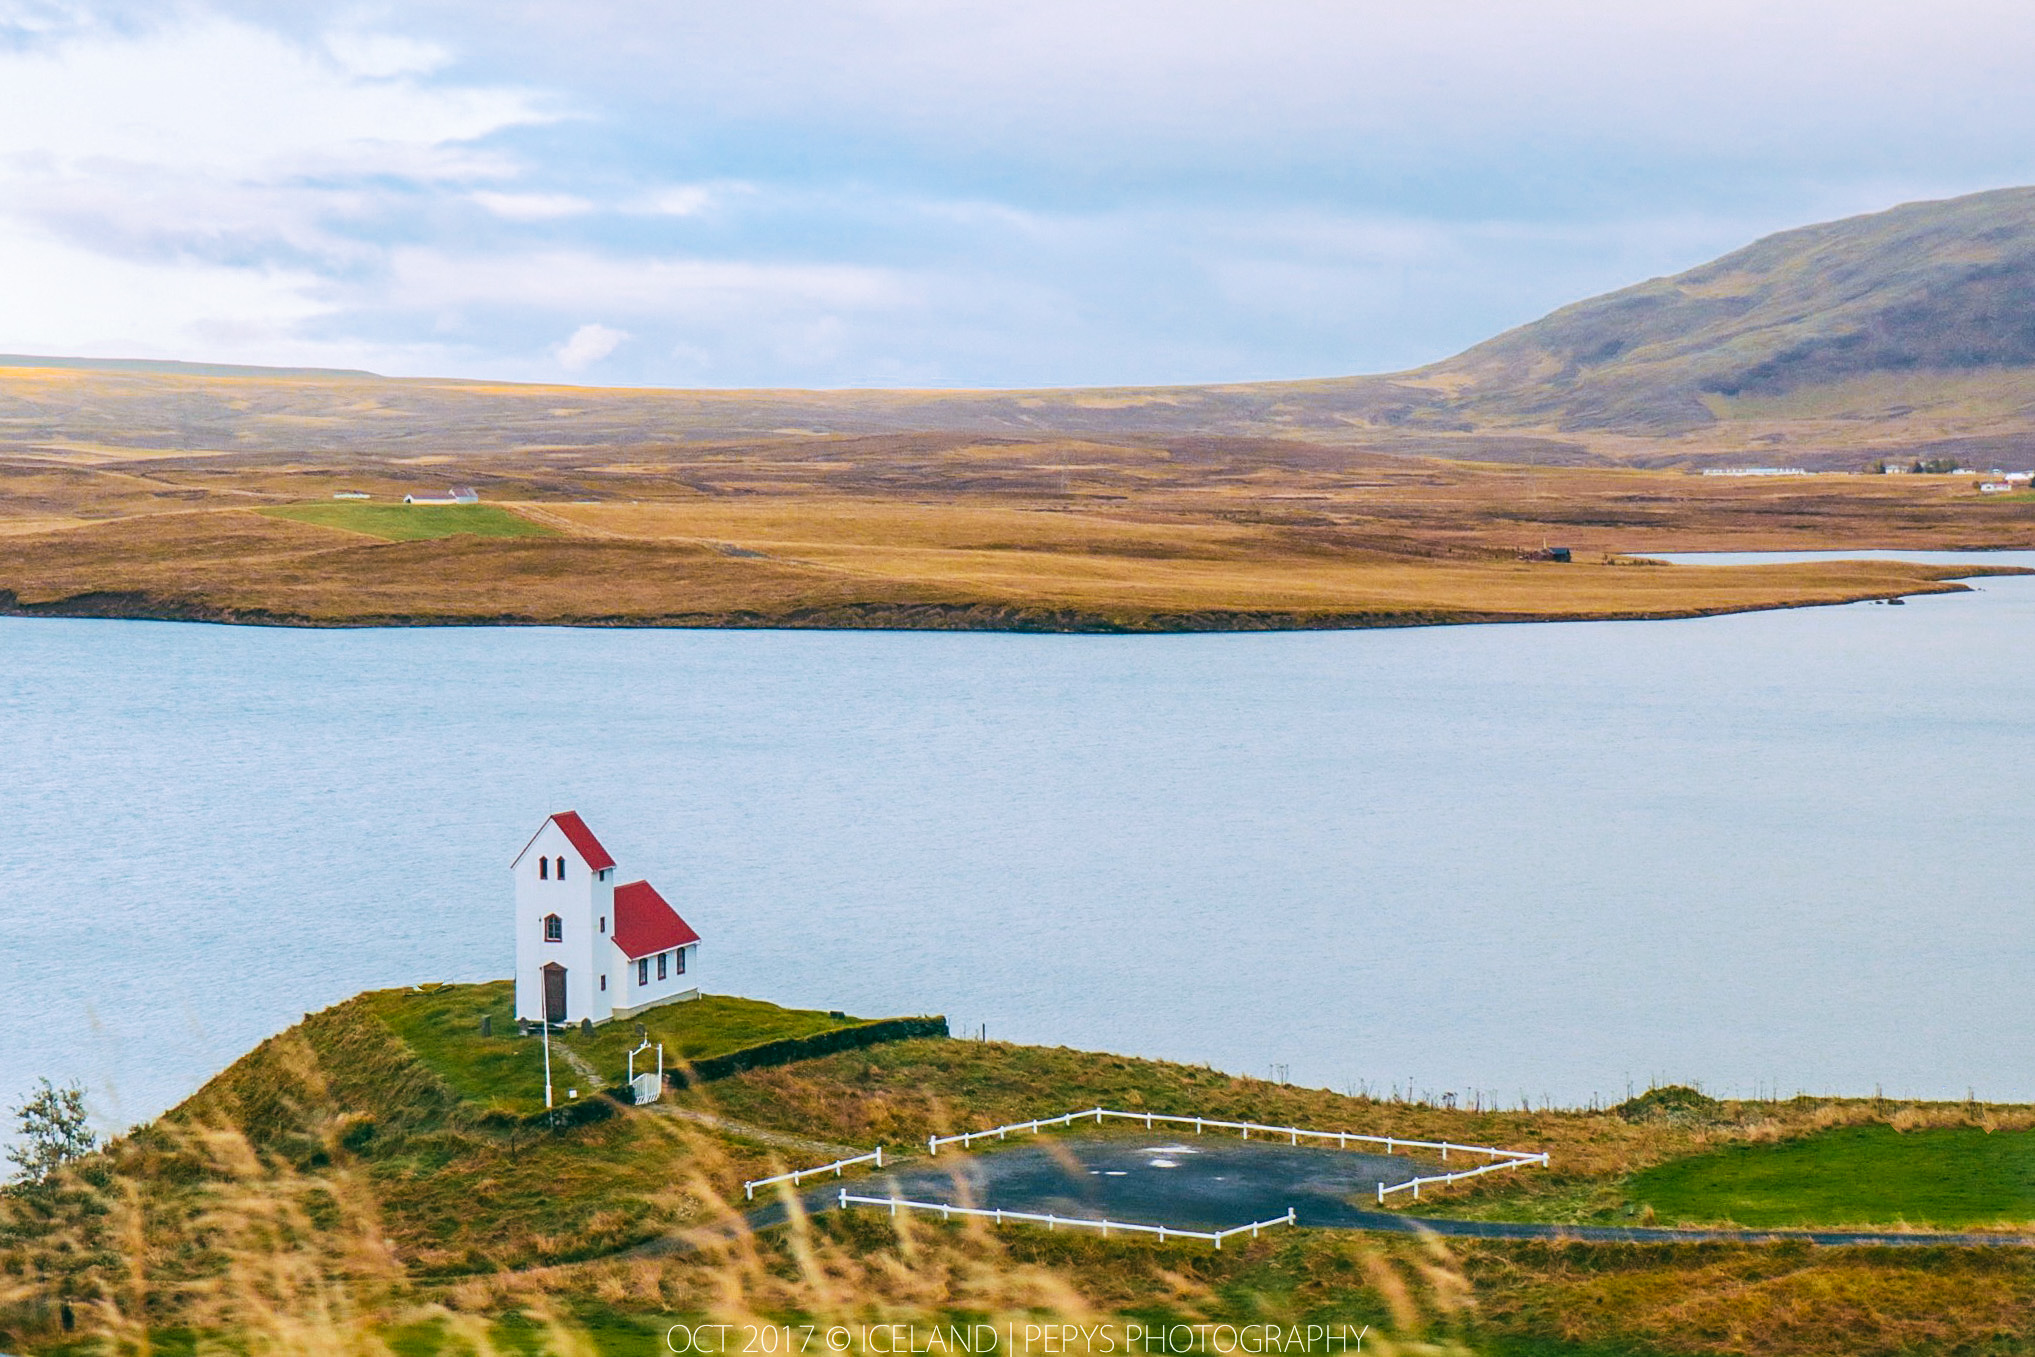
point(554, 992)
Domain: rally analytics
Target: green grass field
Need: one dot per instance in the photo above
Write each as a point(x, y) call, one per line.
point(1948, 1177)
point(414, 522)
point(505, 1072)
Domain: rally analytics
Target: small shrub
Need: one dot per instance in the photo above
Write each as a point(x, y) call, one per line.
point(51, 1123)
point(1675, 1103)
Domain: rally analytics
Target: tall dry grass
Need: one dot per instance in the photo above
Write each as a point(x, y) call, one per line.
point(265, 1218)
point(204, 1230)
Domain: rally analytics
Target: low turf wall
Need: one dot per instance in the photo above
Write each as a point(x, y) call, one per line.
point(789, 1049)
point(566, 1115)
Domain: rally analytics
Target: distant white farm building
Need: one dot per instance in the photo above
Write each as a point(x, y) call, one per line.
point(587, 948)
point(459, 494)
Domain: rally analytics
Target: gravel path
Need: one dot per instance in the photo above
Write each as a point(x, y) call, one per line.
point(761, 1135)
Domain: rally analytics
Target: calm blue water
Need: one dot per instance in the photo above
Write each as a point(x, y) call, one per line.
point(1782, 849)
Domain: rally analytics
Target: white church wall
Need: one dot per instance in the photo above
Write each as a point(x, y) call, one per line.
point(582, 901)
point(635, 995)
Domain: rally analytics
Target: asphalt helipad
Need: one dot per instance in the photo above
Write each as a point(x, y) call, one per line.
point(1196, 1182)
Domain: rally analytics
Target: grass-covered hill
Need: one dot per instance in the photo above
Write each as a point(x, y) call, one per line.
point(380, 1179)
point(1930, 301)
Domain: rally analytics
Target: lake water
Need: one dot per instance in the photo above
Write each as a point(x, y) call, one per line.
point(1786, 849)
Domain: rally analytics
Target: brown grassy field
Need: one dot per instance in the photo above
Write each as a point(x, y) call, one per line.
point(138, 493)
point(932, 532)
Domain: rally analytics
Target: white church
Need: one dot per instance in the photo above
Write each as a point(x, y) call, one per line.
point(586, 947)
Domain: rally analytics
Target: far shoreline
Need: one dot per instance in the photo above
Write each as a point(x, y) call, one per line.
point(958, 617)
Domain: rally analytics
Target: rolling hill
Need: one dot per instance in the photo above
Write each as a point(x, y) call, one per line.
point(1930, 295)
point(1909, 329)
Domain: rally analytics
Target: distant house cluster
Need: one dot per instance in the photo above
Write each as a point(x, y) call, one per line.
point(1994, 482)
point(458, 494)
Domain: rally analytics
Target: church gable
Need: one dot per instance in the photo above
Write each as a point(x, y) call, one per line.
point(592, 855)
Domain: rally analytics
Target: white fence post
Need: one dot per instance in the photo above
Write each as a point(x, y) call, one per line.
point(797, 1176)
point(1052, 1221)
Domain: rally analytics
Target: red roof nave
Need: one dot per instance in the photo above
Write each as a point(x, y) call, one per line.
point(645, 924)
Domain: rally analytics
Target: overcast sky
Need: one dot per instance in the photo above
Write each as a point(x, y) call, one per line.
point(900, 192)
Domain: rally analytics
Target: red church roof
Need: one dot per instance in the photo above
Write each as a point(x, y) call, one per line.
point(644, 923)
point(581, 838)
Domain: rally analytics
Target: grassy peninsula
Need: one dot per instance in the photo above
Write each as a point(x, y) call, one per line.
point(378, 1179)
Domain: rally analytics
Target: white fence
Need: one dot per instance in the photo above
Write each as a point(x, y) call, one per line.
point(1498, 1158)
point(1445, 1178)
point(1051, 1221)
point(875, 1157)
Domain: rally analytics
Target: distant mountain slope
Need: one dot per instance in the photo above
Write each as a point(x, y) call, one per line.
point(1942, 288)
point(171, 366)
point(1905, 331)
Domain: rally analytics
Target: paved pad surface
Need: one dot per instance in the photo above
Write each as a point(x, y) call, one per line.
point(1197, 1182)
point(1215, 1182)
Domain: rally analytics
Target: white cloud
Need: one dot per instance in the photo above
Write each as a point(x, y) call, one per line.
point(588, 345)
point(681, 200)
point(381, 55)
point(219, 98)
point(532, 206)
point(58, 297)
point(669, 286)
point(203, 186)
